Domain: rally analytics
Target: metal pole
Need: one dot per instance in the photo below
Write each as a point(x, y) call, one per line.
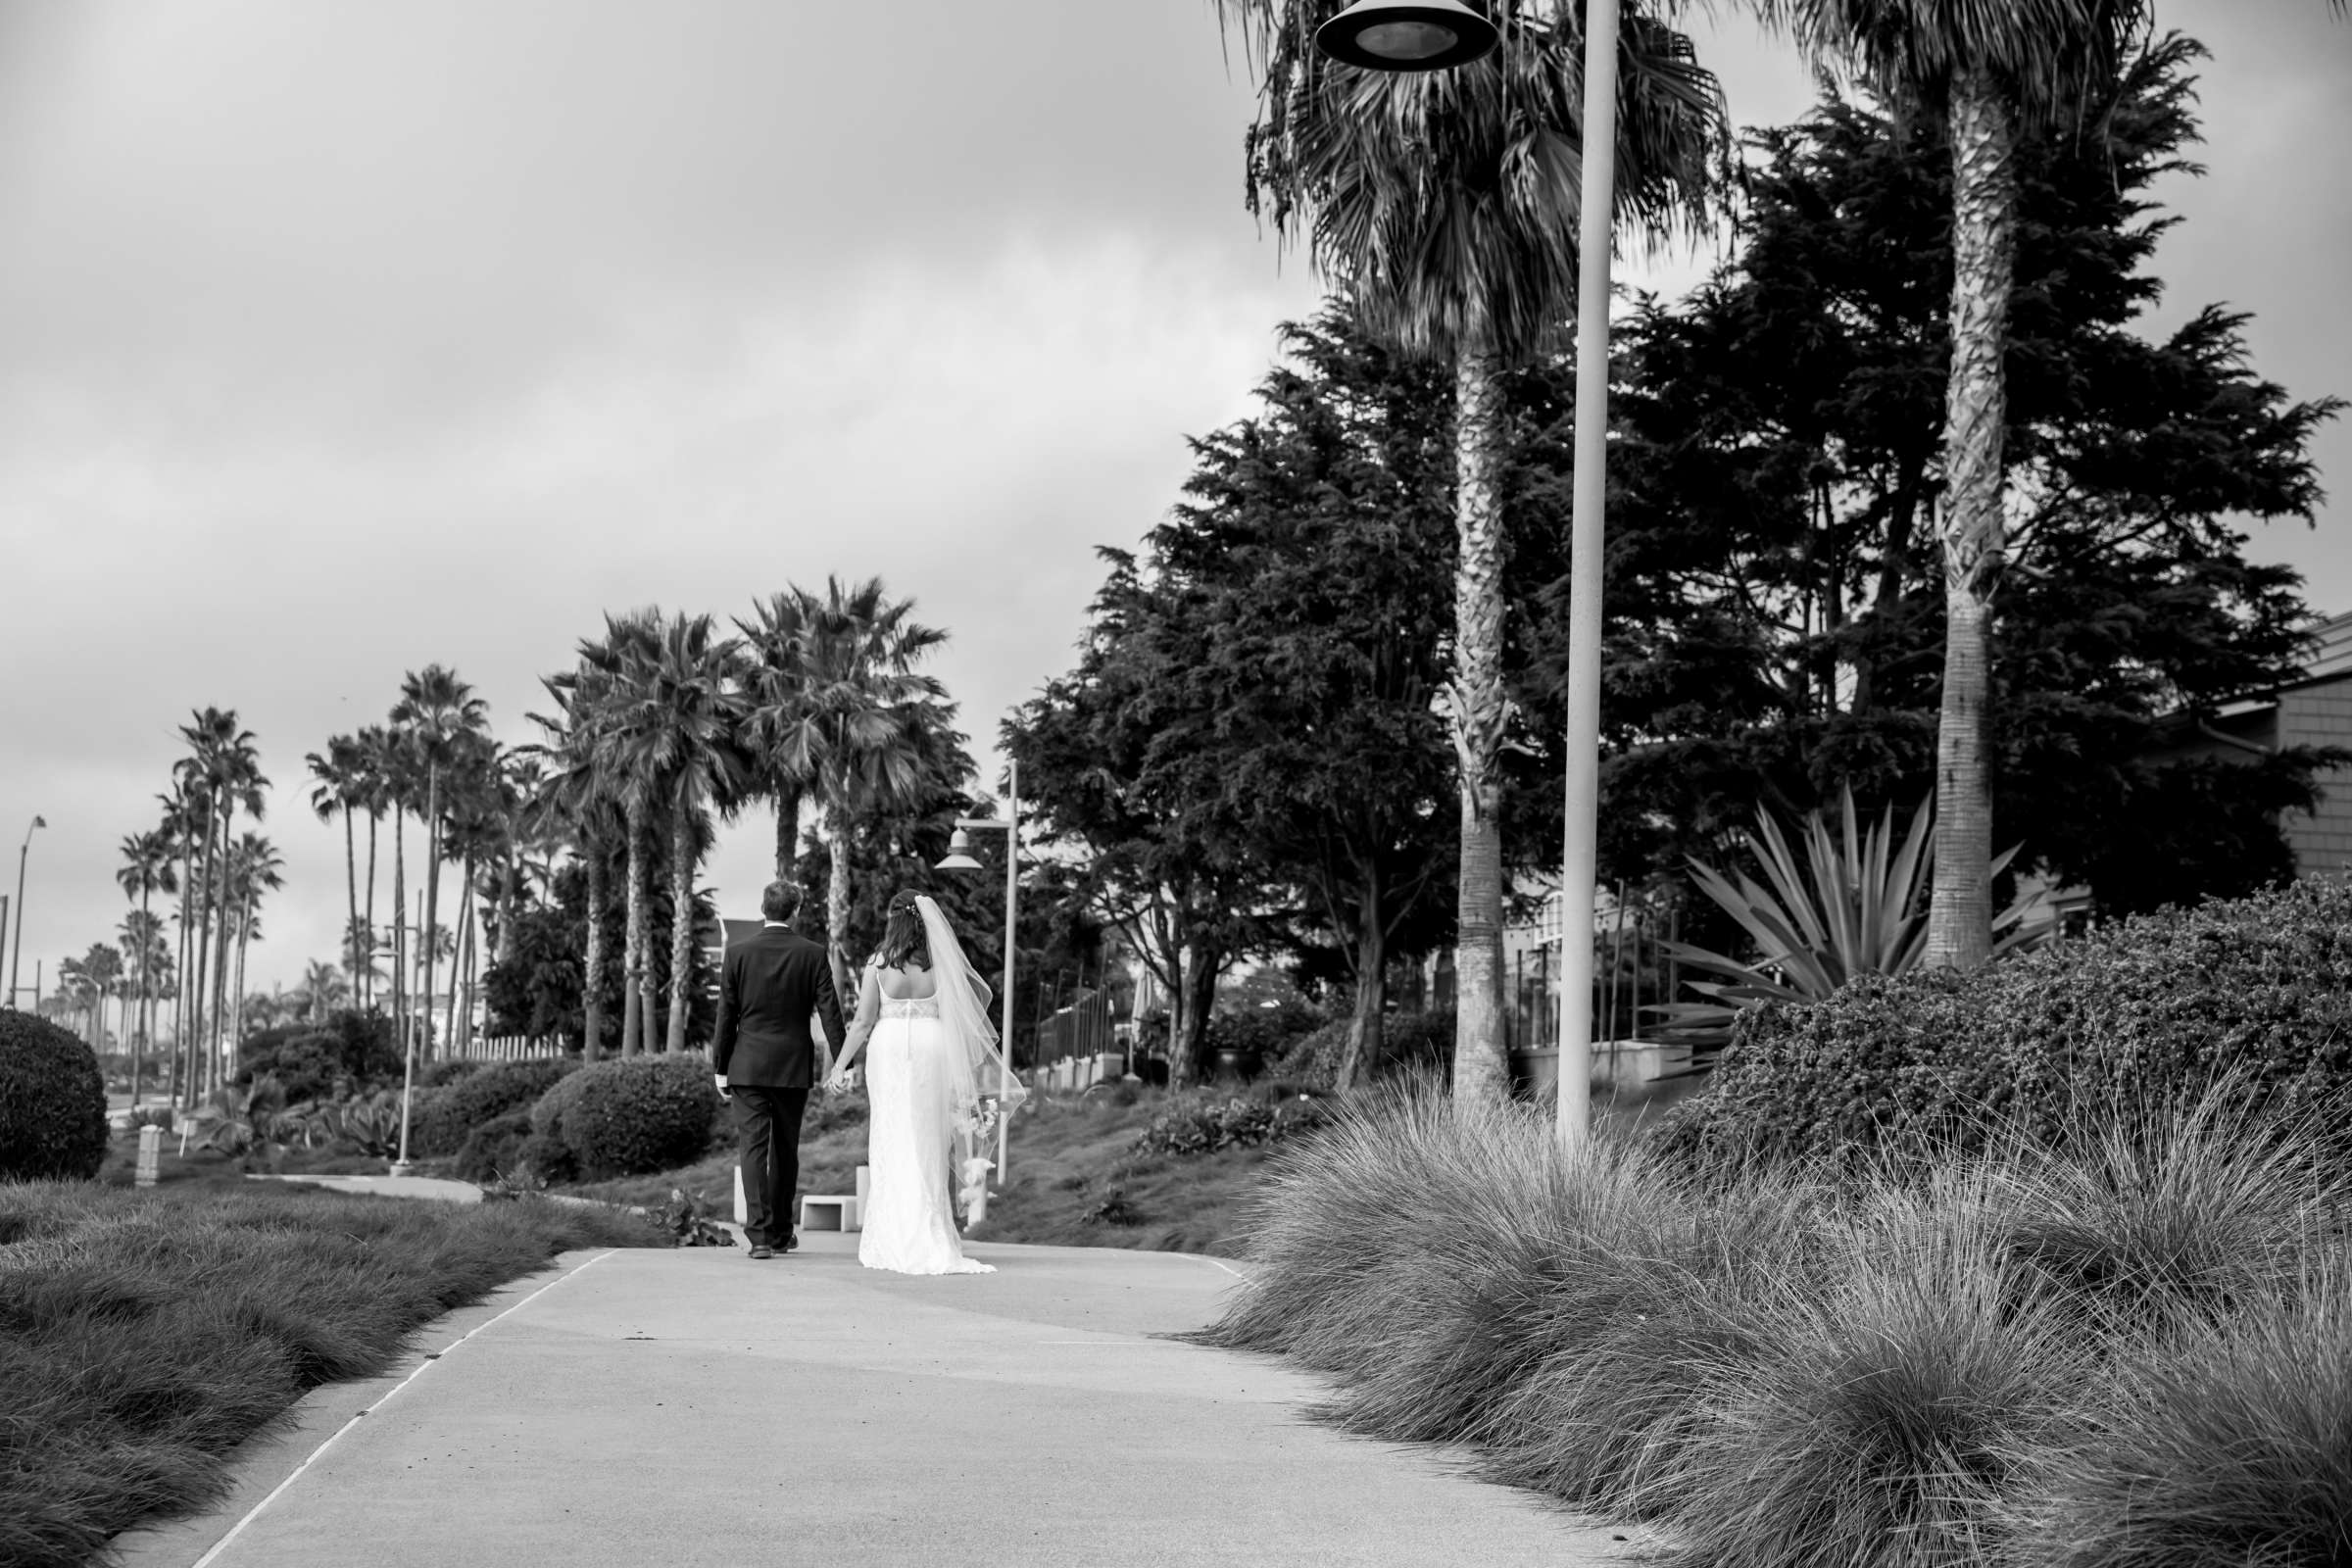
point(15, 961)
point(1583, 791)
point(11, 1000)
point(1012, 890)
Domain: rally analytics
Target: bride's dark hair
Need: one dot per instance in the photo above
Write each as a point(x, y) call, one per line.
point(903, 937)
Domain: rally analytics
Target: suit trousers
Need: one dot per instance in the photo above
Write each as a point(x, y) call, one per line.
point(767, 1125)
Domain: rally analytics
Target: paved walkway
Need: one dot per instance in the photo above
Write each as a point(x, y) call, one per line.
point(665, 1409)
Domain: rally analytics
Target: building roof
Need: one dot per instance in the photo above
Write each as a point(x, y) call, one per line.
point(2330, 653)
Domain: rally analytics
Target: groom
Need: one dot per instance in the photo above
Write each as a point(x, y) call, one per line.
point(766, 1059)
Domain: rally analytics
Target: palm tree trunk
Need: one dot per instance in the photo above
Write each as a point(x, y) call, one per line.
point(146, 1029)
point(244, 936)
point(1975, 543)
point(199, 1059)
point(351, 889)
point(837, 893)
point(632, 958)
point(592, 1006)
point(432, 894)
point(399, 932)
point(179, 973)
point(219, 1072)
point(681, 922)
point(456, 957)
point(1480, 714)
point(788, 831)
point(367, 977)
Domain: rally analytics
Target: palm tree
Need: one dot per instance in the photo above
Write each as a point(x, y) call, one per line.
point(323, 990)
point(337, 785)
point(1446, 206)
point(855, 724)
point(775, 679)
point(178, 826)
point(574, 802)
point(1993, 74)
point(602, 692)
point(145, 871)
point(471, 835)
point(255, 870)
point(438, 712)
point(226, 760)
point(678, 727)
point(375, 749)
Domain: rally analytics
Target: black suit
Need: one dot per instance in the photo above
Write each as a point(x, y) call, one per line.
point(769, 987)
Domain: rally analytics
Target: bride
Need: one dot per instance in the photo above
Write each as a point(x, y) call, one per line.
point(934, 1080)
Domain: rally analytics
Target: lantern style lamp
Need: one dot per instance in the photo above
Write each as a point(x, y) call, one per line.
point(1399, 35)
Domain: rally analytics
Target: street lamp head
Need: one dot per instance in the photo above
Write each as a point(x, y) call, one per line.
point(959, 854)
point(1399, 35)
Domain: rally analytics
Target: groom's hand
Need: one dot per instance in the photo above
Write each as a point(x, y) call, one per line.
point(724, 1093)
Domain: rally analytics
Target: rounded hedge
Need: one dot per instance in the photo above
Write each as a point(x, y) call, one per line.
point(2254, 993)
point(52, 1102)
point(631, 1117)
point(460, 1105)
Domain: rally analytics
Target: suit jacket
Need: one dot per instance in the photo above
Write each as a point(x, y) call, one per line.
point(769, 986)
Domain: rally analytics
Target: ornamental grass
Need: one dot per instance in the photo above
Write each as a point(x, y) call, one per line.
point(2129, 1344)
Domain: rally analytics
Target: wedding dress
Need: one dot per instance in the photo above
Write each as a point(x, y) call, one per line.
point(909, 1217)
point(932, 1070)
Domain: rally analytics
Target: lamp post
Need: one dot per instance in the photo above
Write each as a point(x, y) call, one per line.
point(1404, 36)
point(960, 859)
point(16, 960)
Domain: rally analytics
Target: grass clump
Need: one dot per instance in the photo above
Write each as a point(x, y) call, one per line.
point(144, 1335)
point(2096, 1349)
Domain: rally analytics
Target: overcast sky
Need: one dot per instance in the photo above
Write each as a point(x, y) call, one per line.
point(340, 337)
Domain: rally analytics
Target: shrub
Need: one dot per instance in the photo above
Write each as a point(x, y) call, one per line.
point(1202, 1126)
point(1265, 1033)
point(549, 1159)
point(2255, 993)
point(474, 1097)
point(52, 1102)
point(441, 1074)
point(495, 1147)
point(631, 1117)
point(306, 1066)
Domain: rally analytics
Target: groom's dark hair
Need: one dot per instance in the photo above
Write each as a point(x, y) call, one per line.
point(780, 900)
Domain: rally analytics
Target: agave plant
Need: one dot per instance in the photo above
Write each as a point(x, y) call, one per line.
point(371, 1125)
point(1861, 911)
point(254, 1123)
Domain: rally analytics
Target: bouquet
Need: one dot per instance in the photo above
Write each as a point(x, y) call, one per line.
point(972, 1194)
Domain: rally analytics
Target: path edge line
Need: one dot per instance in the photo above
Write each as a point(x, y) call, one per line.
point(255, 1512)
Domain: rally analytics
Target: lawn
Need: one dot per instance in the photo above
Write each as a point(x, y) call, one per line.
point(144, 1335)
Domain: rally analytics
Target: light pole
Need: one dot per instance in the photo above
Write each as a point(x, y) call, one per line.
point(1402, 36)
point(15, 959)
point(960, 859)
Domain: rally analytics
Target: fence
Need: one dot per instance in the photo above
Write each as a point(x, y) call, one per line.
point(1633, 970)
point(1084, 1028)
point(503, 1048)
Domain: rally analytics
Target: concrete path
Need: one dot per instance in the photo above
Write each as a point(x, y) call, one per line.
point(665, 1409)
point(433, 1187)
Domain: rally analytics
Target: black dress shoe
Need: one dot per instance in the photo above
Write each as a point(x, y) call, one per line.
point(761, 1249)
point(792, 1242)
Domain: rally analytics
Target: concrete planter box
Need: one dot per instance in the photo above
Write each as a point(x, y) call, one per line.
point(1638, 1062)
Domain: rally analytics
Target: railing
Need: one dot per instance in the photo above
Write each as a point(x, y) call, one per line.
point(1082, 1029)
point(504, 1048)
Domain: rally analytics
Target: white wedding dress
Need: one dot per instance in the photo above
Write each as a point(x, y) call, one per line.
point(909, 1216)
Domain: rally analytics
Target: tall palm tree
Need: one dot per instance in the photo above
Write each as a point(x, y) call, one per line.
point(676, 726)
point(603, 691)
point(574, 802)
point(145, 870)
point(375, 749)
point(1444, 207)
point(229, 761)
point(855, 726)
point(439, 713)
point(339, 785)
point(471, 835)
point(1993, 74)
point(180, 815)
point(776, 681)
point(255, 870)
point(322, 989)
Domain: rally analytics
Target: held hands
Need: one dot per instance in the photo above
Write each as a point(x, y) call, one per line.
point(724, 1093)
